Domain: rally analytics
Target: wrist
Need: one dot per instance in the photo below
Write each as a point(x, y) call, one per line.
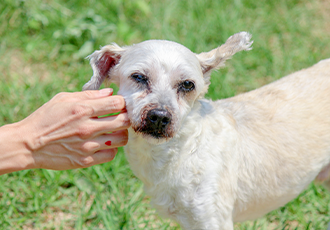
point(15, 154)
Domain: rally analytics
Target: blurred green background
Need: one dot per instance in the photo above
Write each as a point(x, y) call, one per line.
point(43, 44)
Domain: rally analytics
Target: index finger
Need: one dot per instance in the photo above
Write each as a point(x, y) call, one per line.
point(106, 105)
point(94, 94)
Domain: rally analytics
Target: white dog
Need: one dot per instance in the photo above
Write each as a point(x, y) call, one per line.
point(208, 164)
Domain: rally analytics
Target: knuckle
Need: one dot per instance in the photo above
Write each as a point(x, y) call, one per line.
point(85, 132)
point(86, 161)
point(61, 96)
point(81, 110)
point(89, 147)
point(89, 93)
point(117, 103)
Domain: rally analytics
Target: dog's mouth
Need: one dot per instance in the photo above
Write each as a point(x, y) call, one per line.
point(156, 122)
point(157, 134)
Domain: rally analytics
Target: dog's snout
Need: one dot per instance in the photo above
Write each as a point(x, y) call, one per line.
point(159, 118)
point(156, 122)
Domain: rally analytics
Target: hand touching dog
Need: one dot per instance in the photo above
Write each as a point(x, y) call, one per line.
point(66, 133)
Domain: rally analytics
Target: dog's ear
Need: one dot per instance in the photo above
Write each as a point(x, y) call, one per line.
point(216, 58)
point(102, 62)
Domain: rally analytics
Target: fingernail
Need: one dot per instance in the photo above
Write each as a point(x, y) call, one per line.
point(106, 92)
point(113, 153)
point(108, 143)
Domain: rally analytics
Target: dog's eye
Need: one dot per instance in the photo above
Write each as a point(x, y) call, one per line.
point(139, 78)
point(187, 86)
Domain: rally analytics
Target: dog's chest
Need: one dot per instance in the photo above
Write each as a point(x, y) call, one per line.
point(167, 163)
point(171, 173)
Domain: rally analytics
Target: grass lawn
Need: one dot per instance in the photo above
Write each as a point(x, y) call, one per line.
point(43, 44)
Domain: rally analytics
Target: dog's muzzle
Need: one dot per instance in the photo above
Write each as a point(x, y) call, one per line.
point(158, 119)
point(156, 123)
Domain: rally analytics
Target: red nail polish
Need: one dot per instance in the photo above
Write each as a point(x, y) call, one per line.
point(108, 143)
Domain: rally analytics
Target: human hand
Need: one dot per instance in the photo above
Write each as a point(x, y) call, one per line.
point(66, 133)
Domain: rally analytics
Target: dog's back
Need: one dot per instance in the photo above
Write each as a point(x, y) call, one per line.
point(284, 131)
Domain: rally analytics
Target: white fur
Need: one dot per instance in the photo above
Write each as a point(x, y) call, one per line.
point(225, 161)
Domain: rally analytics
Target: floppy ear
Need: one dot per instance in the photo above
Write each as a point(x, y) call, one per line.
point(216, 58)
point(102, 62)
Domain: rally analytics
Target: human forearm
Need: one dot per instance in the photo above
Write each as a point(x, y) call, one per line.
point(14, 152)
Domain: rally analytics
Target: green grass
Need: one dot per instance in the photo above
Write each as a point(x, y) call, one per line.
point(43, 45)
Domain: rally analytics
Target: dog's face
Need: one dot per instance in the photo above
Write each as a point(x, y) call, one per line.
point(160, 80)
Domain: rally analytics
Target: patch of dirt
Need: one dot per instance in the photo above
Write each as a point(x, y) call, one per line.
point(322, 23)
point(14, 66)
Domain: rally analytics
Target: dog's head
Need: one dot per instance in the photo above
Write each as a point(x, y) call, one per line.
point(160, 80)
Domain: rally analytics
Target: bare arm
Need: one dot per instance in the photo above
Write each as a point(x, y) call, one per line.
point(66, 133)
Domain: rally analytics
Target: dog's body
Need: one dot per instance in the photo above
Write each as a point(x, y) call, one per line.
point(208, 164)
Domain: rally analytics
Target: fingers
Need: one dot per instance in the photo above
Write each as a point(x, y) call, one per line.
point(107, 105)
point(94, 94)
point(111, 123)
point(104, 156)
point(99, 157)
point(84, 95)
point(108, 144)
point(106, 141)
point(113, 140)
point(99, 102)
point(68, 133)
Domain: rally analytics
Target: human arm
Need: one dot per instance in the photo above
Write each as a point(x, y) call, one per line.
point(66, 133)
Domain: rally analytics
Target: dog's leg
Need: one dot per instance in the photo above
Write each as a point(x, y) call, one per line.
point(208, 223)
point(208, 209)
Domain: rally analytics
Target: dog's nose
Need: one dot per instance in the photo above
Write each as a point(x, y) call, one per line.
point(159, 118)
